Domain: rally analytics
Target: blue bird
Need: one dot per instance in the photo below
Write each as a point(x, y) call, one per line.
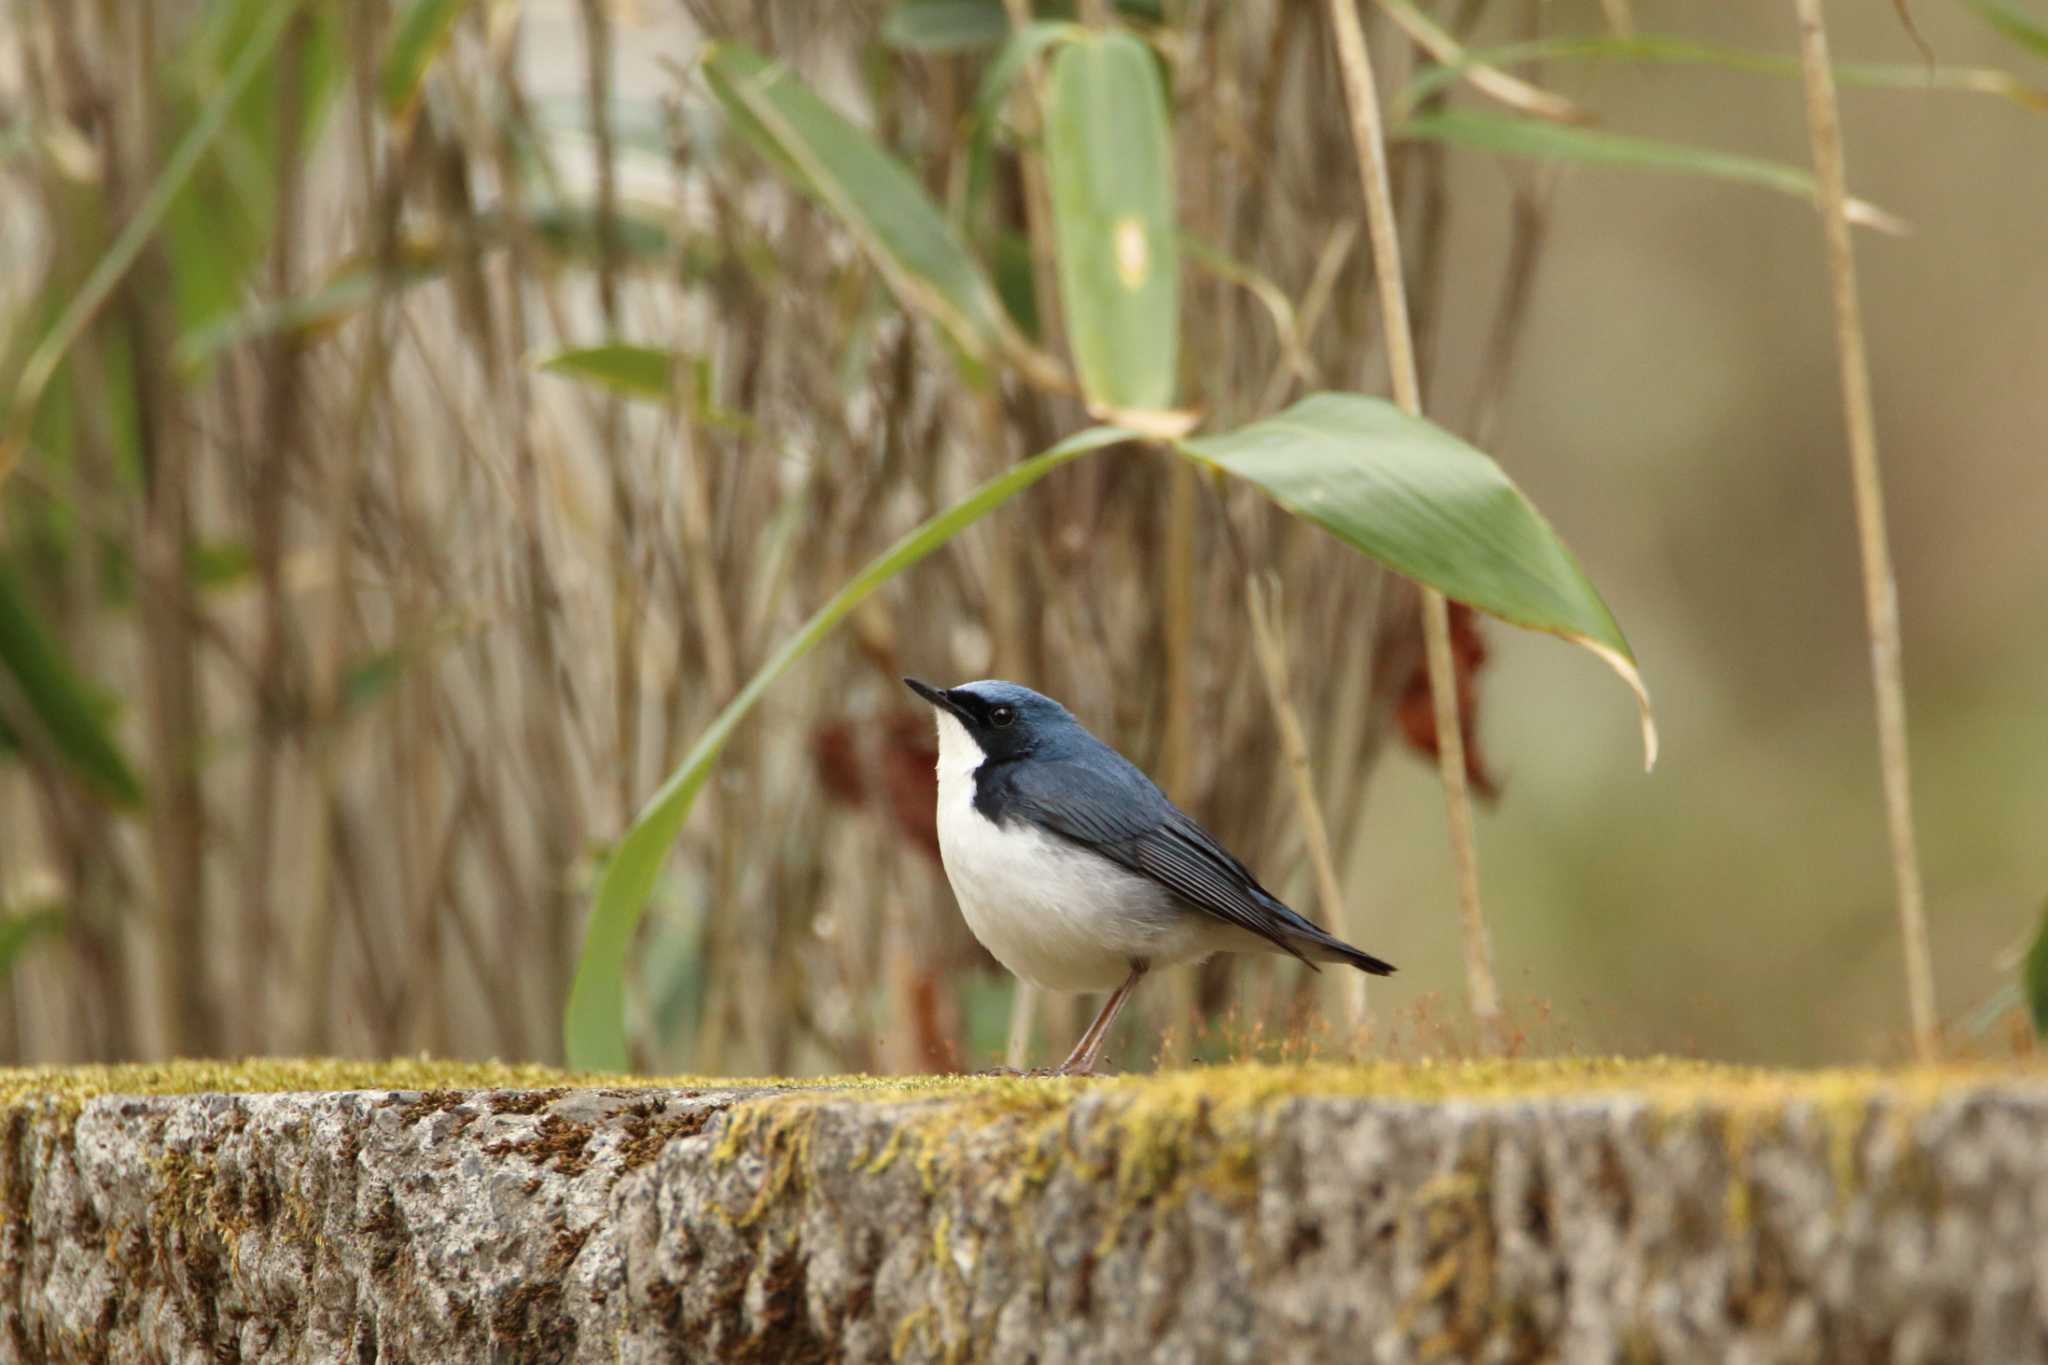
point(1076, 871)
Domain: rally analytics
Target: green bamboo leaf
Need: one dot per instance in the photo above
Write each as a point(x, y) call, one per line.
point(1671, 50)
point(1420, 501)
point(2015, 23)
point(1109, 158)
point(251, 61)
point(593, 1025)
point(873, 195)
point(422, 35)
point(219, 228)
point(1018, 51)
point(2036, 978)
point(567, 231)
point(945, 25)
point(20, 928)
point(57, 700)
point(630, 371)
point(1531, 138)
point(653, 375)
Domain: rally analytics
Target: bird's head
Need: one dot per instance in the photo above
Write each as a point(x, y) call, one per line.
point(1002, 719)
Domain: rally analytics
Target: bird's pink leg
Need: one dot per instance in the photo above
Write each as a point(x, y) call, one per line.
point(1088, 1050)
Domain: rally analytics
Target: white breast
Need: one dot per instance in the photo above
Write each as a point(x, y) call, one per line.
point(1054, 913)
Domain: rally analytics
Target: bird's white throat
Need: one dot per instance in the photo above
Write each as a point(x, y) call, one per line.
point(959, 756)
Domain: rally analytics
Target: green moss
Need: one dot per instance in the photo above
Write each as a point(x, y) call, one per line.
point(1159, 1135)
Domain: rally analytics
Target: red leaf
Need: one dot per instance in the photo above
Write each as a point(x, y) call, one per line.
point(1415, 708)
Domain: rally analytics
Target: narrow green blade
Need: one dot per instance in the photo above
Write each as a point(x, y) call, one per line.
point(1535, 138)
point(2015, 23)
point(874, 196)
point(1420, 501)
point(58, 700)
point(593, 1025)
point(421, 36)
point(1676, 50)
point(945, 25)
point(629, 371)
point(1109, 155)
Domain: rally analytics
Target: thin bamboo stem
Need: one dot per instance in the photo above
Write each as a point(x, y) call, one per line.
point(1355, 63)
point(1880, 589)
point(1270, 639)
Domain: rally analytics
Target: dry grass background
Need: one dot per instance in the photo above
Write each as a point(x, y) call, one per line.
point(470, 613)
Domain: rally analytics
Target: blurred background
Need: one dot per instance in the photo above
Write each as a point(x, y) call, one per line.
point(338, 637)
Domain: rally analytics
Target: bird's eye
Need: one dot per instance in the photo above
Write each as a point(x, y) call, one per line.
point(999, 716)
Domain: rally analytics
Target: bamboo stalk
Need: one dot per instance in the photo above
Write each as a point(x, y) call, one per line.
point(1880, 589)
point(1270, 641)
point(1023, 1024)
point(282, 436)
point(1369, 142)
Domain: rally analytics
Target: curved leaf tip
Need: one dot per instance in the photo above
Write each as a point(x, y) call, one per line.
point(1630, 674)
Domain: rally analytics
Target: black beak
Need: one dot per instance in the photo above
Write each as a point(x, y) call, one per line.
point(937, 696)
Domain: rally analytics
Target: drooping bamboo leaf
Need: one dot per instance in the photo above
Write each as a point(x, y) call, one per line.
point(1531, 138)
point(2015, 23)
point(630, 371)
point(421, 36)
point(1109, 159)
point(58, 702)
point(593, 1025)
point(2036, 978)
point(1419, 500)
point(945, 25)
point(1673, 50)
point(873, 195)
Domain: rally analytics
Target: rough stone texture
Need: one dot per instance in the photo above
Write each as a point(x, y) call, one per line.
point(1189, 1218)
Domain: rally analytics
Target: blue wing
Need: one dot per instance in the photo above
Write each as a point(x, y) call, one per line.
point(1099, 799)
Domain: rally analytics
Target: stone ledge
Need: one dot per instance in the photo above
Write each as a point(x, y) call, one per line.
point(1587, 1211)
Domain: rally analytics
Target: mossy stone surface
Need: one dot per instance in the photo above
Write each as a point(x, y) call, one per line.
point(1579, 1209)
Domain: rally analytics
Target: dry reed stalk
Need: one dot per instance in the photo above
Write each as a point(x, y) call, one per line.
point(1369, 144)
point(1269, 642)
point(1880, 587)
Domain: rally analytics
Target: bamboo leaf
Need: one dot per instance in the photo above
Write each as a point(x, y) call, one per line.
point(874, 196)
point(593, 1025)
point(250, 62)
point(1672, 50)
point(1110, 162)
point(2036, 979)
point(1420, 501)
point(631, 371)
point(2015, 23)
point(1018, 51)
point(422, 35)
point(1527, 137)
point(20, 928)
point(219, 227)
point(945, 25)
point(567, 231)
point(57, 701)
